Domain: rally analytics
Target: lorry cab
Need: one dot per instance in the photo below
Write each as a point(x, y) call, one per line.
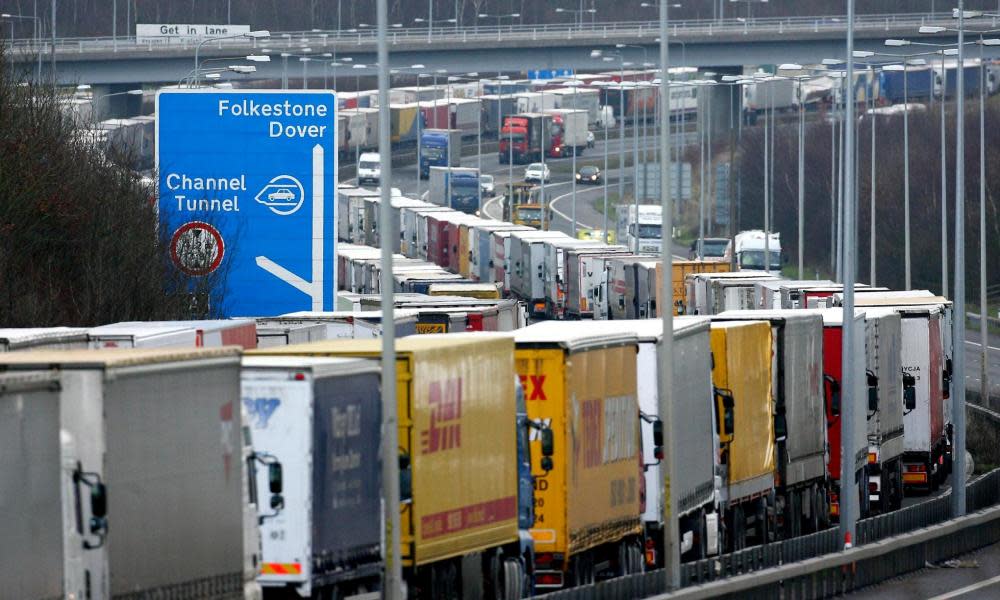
point(753, 249)
point(643, 234)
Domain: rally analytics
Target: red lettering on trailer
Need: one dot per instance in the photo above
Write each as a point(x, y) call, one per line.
point(445, 430)
point(535, 383)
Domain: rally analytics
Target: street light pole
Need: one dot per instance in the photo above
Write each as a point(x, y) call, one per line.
point(665, 368)
point(393, 574)
point(871, 242)
point(906, 180)
point(944, 182)
point(848, 489)
point(984, 390)
point(958, 322)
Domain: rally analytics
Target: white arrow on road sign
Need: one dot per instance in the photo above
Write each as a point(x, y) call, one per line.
point(312, 289)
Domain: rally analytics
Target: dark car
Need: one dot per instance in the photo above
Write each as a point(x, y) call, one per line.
point(588, 174)
point(715, 249)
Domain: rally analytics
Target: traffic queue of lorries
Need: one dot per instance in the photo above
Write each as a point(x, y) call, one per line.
point(157, 456)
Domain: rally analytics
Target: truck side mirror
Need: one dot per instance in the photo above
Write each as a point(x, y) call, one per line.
point(548, 442)
point(99, 500)
point(946, 380)
point(872, 392)
point(909, 392)
point(274, 478)
point(658, 439)
point(834, 396)
point(780, 428)
point(405, 478)
point(725, 404)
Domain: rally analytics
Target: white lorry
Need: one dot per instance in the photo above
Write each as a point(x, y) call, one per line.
point(752, 246)
point(160, 431)
point(642, 235)
point(320, 418)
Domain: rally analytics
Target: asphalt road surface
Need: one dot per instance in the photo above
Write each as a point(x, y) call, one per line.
point(973, 576)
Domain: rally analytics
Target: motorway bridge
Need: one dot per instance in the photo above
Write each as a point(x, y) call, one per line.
point(727, 43)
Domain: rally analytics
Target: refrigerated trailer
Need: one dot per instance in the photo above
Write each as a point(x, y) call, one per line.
point(321, 418)
point(163, 432)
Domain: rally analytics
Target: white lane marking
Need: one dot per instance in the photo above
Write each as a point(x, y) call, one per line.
point(486, 211)
point(564, 215)
point(967, 589)
point(980, 345)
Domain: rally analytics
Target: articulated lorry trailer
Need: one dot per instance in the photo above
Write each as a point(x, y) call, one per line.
point(460, 492)
point(54, 495)
point(799, 416)
point(741, 378)
point(883, 348)
point(692, 437)
point(145, 461)
point(588, 508)
point(321, 418)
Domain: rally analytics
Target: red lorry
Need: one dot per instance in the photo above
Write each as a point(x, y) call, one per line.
point(528, 133)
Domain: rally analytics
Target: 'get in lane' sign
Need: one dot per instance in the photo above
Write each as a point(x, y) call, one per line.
point(247, 183)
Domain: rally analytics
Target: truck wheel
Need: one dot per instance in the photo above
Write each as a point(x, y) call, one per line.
point(701, 537)
point(793, 516)
point(496, 582)
point(739, 529)
point(513, 578)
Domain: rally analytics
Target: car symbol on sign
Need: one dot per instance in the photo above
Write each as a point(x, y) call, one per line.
point(281, 195)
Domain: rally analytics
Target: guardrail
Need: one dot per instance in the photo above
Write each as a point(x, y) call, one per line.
point(444, 35)
point(982, 492)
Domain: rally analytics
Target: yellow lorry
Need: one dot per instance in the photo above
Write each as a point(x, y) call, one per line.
point(741, 376)
point(588, 508)
point(683, 268)
point(459, 450)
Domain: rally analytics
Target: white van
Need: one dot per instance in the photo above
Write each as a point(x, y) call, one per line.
point(369, 168)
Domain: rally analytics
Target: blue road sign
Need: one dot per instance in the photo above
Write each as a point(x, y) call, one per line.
point(549, 73)
point(248, 184)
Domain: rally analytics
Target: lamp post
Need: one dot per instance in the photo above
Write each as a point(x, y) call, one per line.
point(94, 99)
point(608, 57)
point(577, 13)
point(393, 576)
point(430, 20)
point(801, 160)
point(36, 31)
point(665, 369)
point(498, 17)
point(254, 35)
point(848, 491)
point(305, 73)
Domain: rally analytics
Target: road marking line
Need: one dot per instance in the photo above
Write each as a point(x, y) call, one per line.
point(980, 345)
point(967, 589)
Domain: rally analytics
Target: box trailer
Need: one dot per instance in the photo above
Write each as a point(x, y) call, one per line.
point(42, 338)
point(681, 269)
point(527, 261)
point(52, 478)
point(833, 374)
point(692, 437)
point(741, 376)
point(883, 350)
point(554, 271)
point(165, 429)
point(588, 520)
point(321, 418)
point(586, 278)
point(141, 335)
point(362, 324)
point(209, 333)
point(457, 413)
point(270, 335)
point(799, 412)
